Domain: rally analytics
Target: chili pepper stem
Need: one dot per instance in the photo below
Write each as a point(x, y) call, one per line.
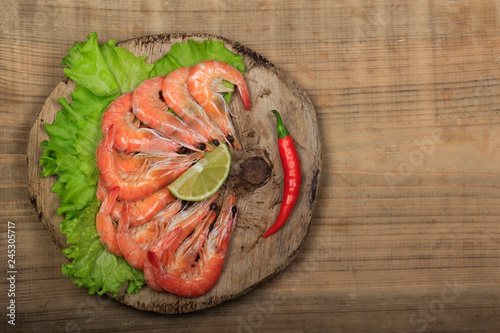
point(282, 132)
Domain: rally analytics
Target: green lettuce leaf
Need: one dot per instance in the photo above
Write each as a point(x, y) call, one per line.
point(87, 67)
point(102, 72)
point(128, 70)
point(194, 52)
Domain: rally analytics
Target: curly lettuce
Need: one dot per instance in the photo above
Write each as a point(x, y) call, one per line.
point(102, 72)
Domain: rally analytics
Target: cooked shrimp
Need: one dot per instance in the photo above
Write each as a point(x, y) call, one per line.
point(188, 220)
point(149, 274)
point(185, 255)
point(199, 277)
point(183, 225)
point(189, 250)
point(205, 85)
point(129, 136)
point(138, 185)
point(130, 162)
point(134, 243)
point(104, 224)
point(176, 94)
point(142, 211)
point(150, 107)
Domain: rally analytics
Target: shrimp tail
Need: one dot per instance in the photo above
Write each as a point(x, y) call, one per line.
point(244, 94)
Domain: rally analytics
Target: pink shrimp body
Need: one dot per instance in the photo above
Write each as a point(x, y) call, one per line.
point(149, 272)
point(138, 185)
point(184, 222)
point(176, 94)
point(188, 219)
point(130, 162)
point(129, 136)
point(151, 109)
point(134, 243)
point(142, 211)
point(205, 85)
point(189, 250)
point(199, 277)
point(106, 229)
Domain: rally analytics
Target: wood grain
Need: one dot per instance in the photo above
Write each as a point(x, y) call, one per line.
point(250, 260)
point(390, 233)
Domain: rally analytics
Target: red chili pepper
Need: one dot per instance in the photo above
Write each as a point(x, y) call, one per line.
point(291, 168)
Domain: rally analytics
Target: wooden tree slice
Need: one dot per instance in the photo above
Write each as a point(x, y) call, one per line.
point(256, 177)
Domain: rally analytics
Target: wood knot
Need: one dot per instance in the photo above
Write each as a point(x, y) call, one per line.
point(252, 173)
point(255, 171)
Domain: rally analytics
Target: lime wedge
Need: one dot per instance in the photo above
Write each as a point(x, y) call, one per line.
point(204, 178)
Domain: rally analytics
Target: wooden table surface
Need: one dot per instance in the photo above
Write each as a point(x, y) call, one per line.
point(405, 235)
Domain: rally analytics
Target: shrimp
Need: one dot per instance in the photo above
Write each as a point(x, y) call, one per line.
point(129, 136)
point(105, 226)
point(189, 250)
point(201, 275)
point(134, 243)
point(188, 220)
point(150, 108)
point(130, 162)
point(205, 85)
point(148, 270)
point(184, 222)
point(138, 185)
point(142, 211)
point(176, 94)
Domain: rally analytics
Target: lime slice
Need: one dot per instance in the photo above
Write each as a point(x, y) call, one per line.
point(204, 178)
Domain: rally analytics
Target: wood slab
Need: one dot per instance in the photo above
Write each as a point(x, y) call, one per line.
point(256, 177)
